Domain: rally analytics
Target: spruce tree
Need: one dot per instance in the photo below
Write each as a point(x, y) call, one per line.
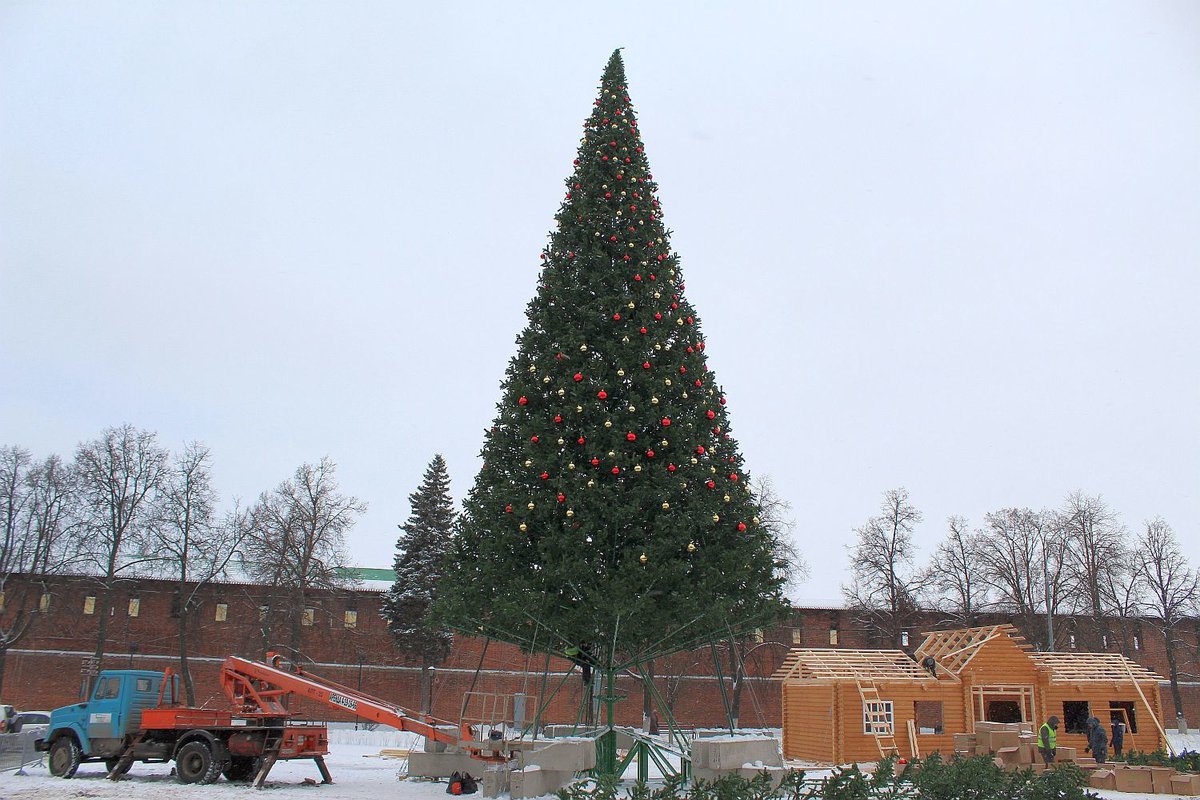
point(613, 512)
point(420, 554)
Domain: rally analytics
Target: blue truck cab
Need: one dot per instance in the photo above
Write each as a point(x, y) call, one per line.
point(100, 728)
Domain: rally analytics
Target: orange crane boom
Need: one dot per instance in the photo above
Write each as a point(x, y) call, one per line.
point(261, 689)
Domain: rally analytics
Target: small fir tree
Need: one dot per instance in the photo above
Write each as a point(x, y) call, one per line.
point(420, 554)
point(612, 517)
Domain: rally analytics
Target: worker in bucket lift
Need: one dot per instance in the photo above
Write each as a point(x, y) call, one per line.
point(583, 658)
point(1047, 741)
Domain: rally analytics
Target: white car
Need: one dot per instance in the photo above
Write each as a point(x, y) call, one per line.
point(28, 720)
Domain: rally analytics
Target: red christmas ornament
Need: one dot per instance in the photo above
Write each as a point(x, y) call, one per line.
point(533, 439)
point(576, 162)
point(710, 414)
point(649, 454)
point(741, 527)
point(581, 440)
point(689, 320)
point(578, 377)
point(617, 317)
point(643, 331)
point(637, 277)
point(558, 418)
point(722, 401)
point(682, 369)
point(603, 395)
point(595, 461)
point(645, 365)
point(710, 483)
point(733, 476)
point(523, 401)
point(700, 449)
point(508, 509)
point(657, 315)
point(631, 436)
point(544, 476)
point(670, 467)
point(607, 195)
point(616, 470)
point(666, 422)
point(652, 277)
point(698, 382)
point(561, 497)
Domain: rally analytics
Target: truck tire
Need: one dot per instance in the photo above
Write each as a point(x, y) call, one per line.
point(65, 756)
point(241, 769)
point(195, 763)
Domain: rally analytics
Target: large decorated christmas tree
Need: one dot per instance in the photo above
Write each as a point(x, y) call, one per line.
point(613, 517)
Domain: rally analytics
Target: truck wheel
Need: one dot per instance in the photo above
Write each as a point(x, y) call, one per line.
point(195, 763)
point(64, 757)
point(241, 769)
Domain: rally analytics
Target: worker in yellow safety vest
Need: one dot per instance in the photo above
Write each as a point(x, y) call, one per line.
point(1047, 741)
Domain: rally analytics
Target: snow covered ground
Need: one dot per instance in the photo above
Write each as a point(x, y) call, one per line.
point(358, 772)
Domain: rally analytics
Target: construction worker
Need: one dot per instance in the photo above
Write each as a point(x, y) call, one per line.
point(1118, 737)
point(1097, 740)
point(1047, 741)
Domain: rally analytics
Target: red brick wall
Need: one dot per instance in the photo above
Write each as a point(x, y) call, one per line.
point(42, 670)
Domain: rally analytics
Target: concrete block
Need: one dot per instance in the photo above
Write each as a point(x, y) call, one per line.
point(564, 755)
point(535, 782)
point(733, 753)
point(495, 782)
point(443, 765)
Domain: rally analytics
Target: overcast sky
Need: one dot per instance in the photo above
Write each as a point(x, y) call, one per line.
point(946, 246)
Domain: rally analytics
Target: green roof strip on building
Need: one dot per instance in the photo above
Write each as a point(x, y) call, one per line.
point(366, 574)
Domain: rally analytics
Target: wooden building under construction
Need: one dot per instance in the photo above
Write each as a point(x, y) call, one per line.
point(842, 706)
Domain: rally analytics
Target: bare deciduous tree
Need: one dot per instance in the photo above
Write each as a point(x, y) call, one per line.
point(1171, 590)
point(1096, 561)
point(954, 574)
point(885, 588)
point(194, 545)
point(1021, 559)
point(35, 512)
point(297, 537)
point(117, 477)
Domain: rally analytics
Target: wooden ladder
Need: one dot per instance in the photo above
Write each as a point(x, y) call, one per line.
point(877, 720)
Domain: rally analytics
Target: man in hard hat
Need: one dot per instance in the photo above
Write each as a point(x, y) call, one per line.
point(1047, 741)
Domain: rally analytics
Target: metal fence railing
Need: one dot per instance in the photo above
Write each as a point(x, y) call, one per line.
point(16, 749)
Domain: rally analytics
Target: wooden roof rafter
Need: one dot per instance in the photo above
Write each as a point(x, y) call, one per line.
point(953, 650)
point(1093, 668)
point(850, 665)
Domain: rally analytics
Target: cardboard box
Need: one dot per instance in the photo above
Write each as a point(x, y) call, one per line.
point(987, 727)
point(1086, 763)
point(1010, 757)
point(999, 739)
point(1102, 779)
point(982, 750)
point(965, 741)
point(1160, 778)
point(1133, 780)
point(1186, 785)
point(1066, 753)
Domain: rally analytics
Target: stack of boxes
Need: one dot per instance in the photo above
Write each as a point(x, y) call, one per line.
point(1014, 746)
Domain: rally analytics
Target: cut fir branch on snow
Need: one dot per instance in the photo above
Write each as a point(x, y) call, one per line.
point(612, 508)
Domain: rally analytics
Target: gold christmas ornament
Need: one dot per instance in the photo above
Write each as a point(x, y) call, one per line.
point(694, 461)
point(716, 517)
point(561, 441)
point(583, 348)
point(637, 468)
point(727, 498)
point(684, 395)
point(667, 381)
point(528, 463)
point(631, 409)
point(653, 401)
point(608, 423)
point(691, 547)
point(571, 465)
point(578, 409)
point(562, 392)
point(642, 558)
point(754, 520)
point(570, 513)
point(631, 305)
point(546, 379)
point(530, 506)
point(666, 506)
point(611, 454)
point(591, 484)
point(665, 442)
point(523, 527)
point(657, 295)
point(620, 373)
